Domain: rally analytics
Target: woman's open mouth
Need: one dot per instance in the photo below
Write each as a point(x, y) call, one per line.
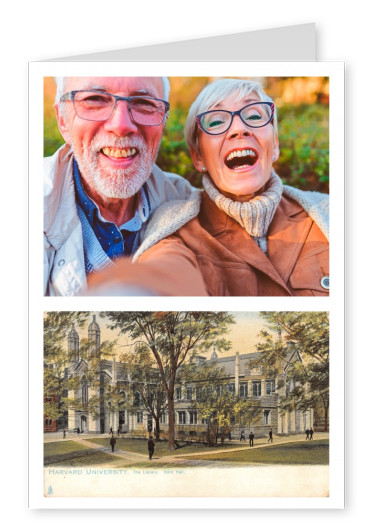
point(241, 158)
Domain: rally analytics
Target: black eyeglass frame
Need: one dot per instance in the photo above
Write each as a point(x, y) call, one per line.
point(71, 96)
point(236, 113)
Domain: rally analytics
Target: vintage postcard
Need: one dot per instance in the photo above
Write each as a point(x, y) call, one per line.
point(145, 403)
point(183, 326)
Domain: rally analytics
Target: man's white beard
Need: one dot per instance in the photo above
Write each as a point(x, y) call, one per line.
point(115, 183)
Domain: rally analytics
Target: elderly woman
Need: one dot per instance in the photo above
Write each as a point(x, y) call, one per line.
point(247, 234)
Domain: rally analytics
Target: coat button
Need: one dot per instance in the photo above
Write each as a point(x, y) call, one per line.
point(61, 262)
point(325, 282)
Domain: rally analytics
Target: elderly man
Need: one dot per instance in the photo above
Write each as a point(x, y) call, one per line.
point(102, 186)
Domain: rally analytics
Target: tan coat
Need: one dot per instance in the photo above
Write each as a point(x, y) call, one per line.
point(212, 255)
point(214, 250)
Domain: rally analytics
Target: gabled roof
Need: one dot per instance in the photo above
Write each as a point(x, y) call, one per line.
point(228, 363)
point(76, 366)
point(291, 357)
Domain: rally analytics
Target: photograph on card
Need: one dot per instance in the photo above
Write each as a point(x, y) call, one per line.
point(186, 186)
point(186, 404)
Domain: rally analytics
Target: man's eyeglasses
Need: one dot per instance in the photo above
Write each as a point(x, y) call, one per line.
point(253, 115)
point(98, 106)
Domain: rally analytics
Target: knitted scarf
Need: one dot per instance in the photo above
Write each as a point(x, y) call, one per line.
point(255, 215)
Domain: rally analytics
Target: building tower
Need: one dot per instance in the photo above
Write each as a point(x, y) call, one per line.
point(73, 345)
point(214, 355)
point(94, 337)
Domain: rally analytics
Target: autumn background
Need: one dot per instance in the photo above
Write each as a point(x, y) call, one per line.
point(303, 125)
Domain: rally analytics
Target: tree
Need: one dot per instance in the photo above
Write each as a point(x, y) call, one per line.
point(173, 338)
point(147, 387)
point(217, 403)
point(305, 359)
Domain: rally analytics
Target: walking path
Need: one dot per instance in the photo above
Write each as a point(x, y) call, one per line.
point(182, 459)
point(187, 459)
point(130, 457)
point(277, 441)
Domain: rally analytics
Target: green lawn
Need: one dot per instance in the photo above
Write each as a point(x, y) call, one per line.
point(71, 453)
point(62, 447)
point(89, 459)
point(294, 453)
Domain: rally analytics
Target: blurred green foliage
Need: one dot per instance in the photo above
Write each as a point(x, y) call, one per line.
point(52, 137)
point(304, 146)
point(173, 154)
point(303, 141)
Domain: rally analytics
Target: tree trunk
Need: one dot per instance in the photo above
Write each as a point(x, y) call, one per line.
point(171, 422)
point(157, 429)
point(208, 433)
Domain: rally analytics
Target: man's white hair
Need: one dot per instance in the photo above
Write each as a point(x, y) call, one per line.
point(213, 94)
point(60, 85)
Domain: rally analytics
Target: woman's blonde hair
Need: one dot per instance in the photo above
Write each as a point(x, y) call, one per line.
point(216, 92)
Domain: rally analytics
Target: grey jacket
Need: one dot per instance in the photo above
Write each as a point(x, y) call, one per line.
point(64, 265)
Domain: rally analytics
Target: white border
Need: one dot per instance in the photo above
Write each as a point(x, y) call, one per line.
point(334, 304)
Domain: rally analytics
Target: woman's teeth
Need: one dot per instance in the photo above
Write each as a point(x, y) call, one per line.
point(241, 158)
point(241, 153)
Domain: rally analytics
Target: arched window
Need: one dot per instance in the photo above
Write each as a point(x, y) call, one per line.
point(136, 399)
point(270, 386)
point(122, 399)
point(256, 387)
point(84, 392)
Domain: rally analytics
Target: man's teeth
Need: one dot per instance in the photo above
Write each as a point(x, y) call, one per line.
point(119, 153)
point(241, 153)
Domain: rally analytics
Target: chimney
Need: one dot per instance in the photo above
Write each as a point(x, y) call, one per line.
point(237, 374)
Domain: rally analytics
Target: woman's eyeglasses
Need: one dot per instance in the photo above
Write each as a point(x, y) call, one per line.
point(254, 115)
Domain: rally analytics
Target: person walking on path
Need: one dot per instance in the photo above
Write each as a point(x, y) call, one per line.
point(270, 436)
point(311, 434)
point(118, 431)
point(151, 445)
point(251, 437)
point(242, 436)
point(113, 442)
point(307, 433)
point(111, 431)
point(64, 433)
